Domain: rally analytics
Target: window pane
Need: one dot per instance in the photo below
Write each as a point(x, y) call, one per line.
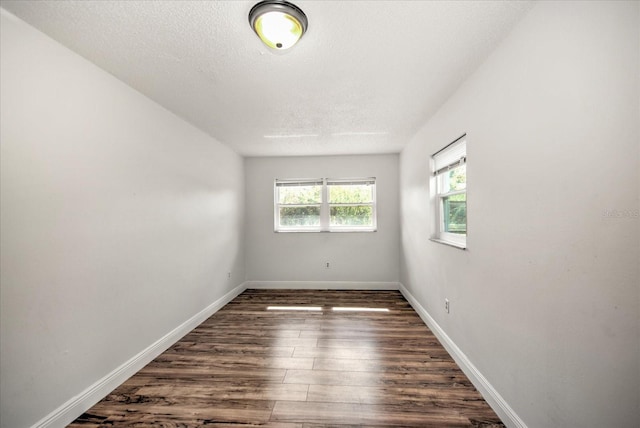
point(299, 195)
point(299, 216)
point(351, 216)
point(454, 209)
point(455, 179)
point(350, 193)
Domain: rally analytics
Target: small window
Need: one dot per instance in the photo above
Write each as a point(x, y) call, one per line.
point(351, 204)
point(325, 205)
point(298, 205)
point(450, 176)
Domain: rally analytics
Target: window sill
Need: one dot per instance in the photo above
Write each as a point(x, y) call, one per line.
point(449, 243)
point(328, 231)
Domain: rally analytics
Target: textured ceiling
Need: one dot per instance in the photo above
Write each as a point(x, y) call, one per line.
point(363, 79)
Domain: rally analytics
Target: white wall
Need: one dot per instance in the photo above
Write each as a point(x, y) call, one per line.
point(545, 302)
point(119, 222)
point(355, 256)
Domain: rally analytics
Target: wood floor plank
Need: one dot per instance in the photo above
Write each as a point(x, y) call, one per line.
point(329, 377)
point(441, 397)
point(232, 362)
point(432, 353)
point(230, 391)
point(253, 332)
point(214, 339)
point(346, 332)
point(249, 366)
point(209, 374)
point(230, 349)
point(376, 343)
point(378, 365)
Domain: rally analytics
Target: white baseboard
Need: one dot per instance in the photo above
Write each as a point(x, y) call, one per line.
point(76, 406)
point(324, 285)
point(493, 398)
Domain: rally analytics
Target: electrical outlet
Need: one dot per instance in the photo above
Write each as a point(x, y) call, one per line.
point(446, 305)
point(228, 275)
point(327, 265)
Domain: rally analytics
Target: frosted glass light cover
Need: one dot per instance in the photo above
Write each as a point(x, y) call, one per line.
point(278, 23)
point(278, 30)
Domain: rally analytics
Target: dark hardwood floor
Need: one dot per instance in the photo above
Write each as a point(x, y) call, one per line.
point(250, 366)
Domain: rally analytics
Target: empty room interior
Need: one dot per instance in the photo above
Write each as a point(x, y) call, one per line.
point(390, 213)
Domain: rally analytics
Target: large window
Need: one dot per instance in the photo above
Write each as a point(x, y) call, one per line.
point(325, 205)
point(450, 176)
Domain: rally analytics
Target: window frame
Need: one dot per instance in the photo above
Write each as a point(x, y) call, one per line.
point(346, 181)
point(277, 205)
point(325, 205)
point(452, 156)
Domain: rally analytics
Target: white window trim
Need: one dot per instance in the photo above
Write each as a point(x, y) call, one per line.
point(368, 180)
point(325, 207)
point(276, 205)
point(451, 156)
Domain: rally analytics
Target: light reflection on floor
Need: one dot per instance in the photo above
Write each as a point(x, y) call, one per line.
point(319, 309)
point(341, 309)
point(294, 308)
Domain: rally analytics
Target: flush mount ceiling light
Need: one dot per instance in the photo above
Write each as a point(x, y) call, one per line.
point(278, 23)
